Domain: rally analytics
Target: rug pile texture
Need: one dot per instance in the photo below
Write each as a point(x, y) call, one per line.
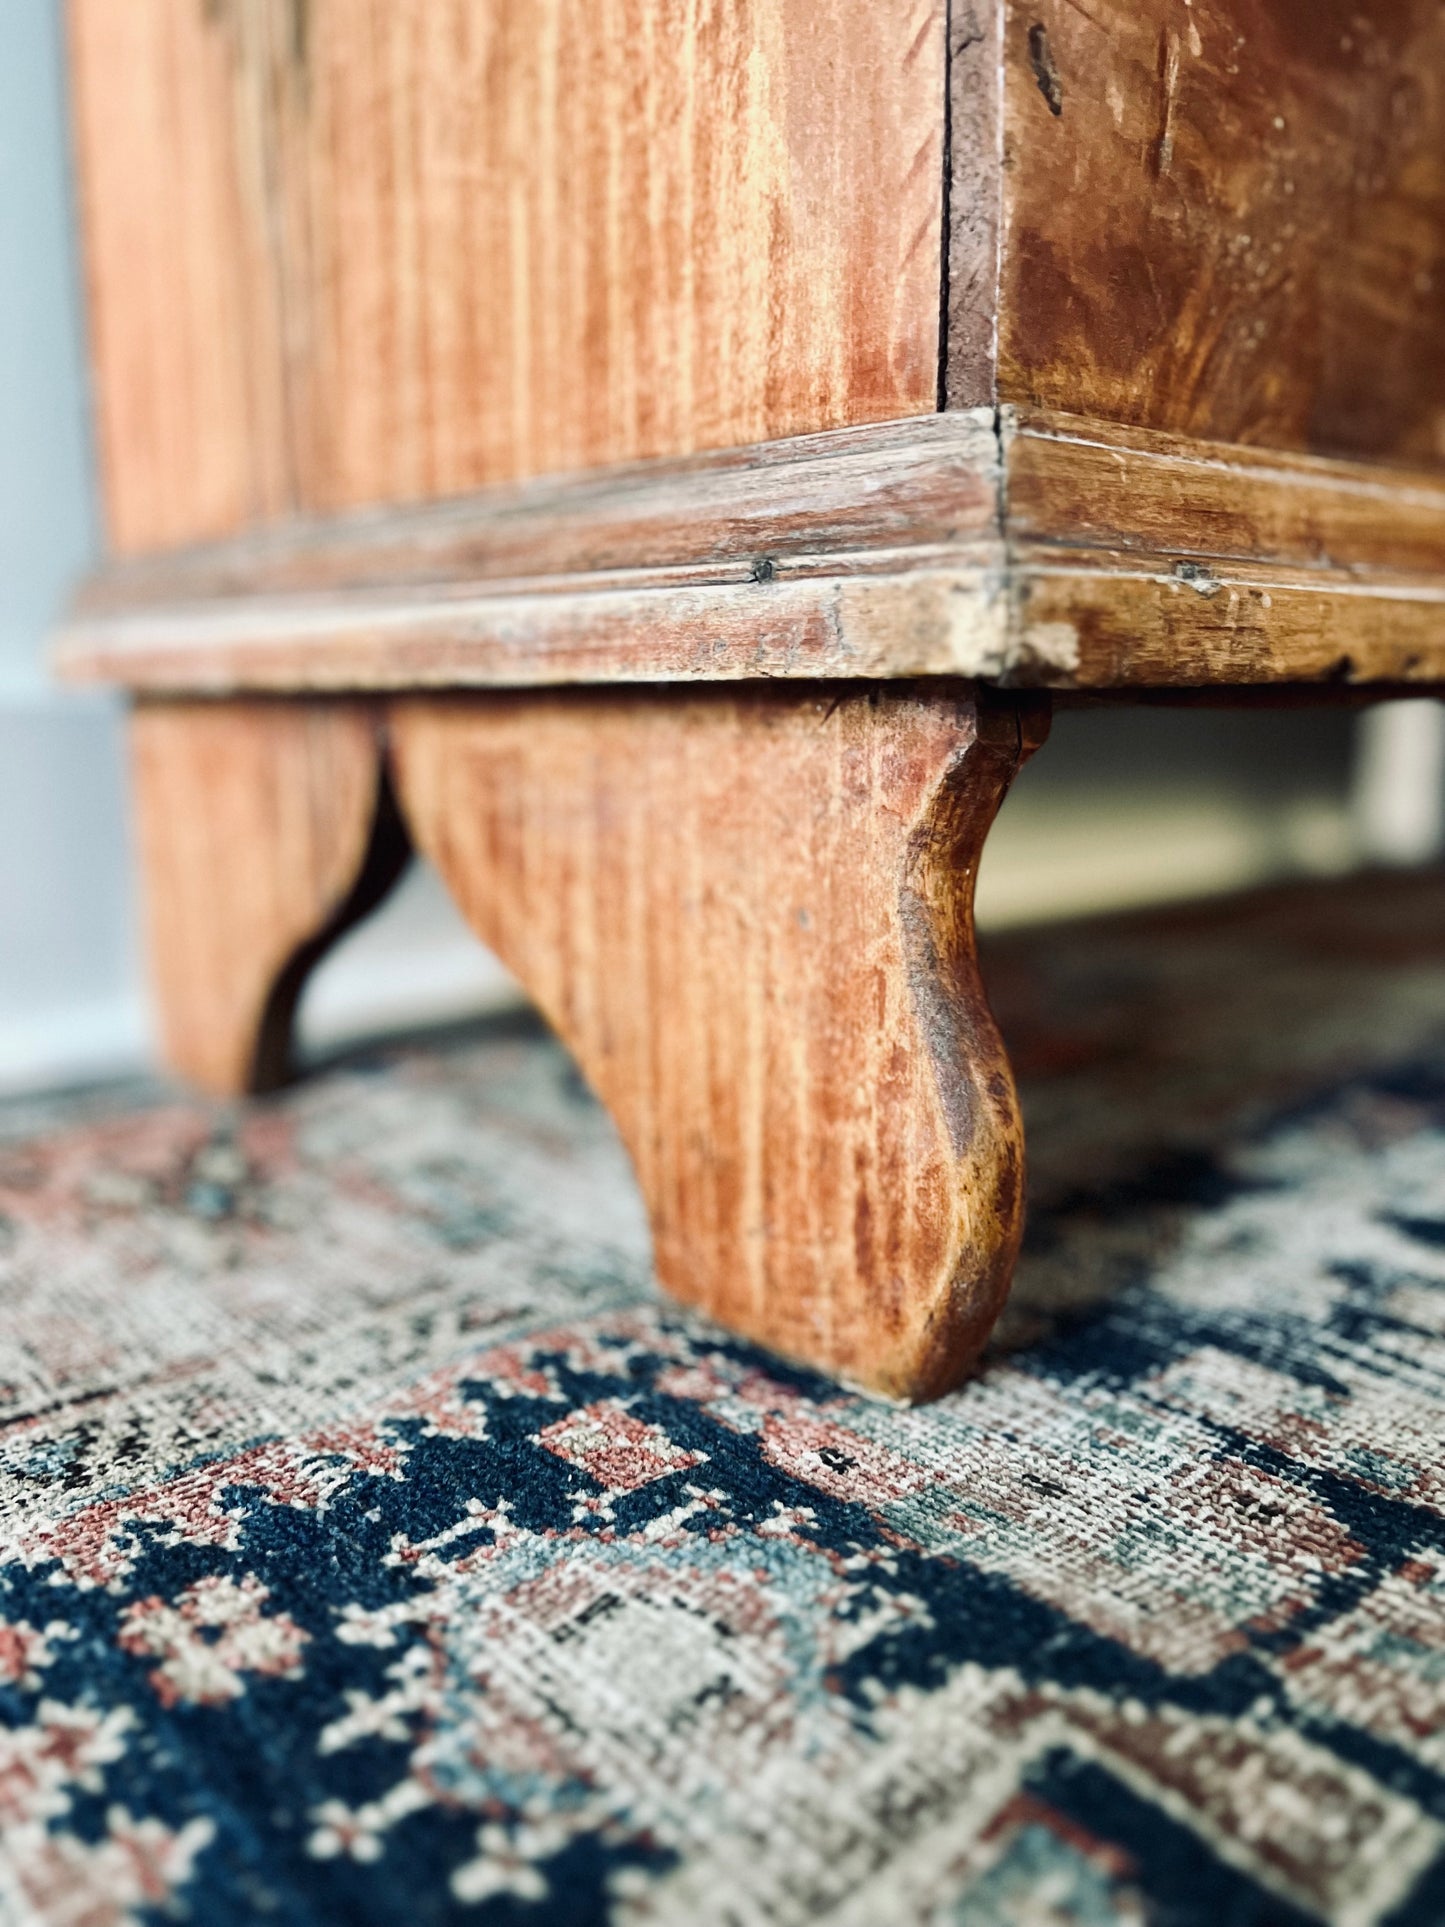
point(376, 1546)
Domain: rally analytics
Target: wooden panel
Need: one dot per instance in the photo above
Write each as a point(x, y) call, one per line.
point(495, 238)
point(262, 836)
point(185, 330)
point(1016, 550)
point(750, 917)
point(1226, 218)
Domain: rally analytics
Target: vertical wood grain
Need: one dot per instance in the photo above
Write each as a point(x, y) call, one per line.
point(263, 833)
point(362, 250)
point(183, 301)
point(749, 914)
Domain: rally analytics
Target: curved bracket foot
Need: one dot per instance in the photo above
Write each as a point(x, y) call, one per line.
point(266, 830)
point(749, 913)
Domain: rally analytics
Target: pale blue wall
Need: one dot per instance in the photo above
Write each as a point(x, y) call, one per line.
point(70, 1000)
point(46, 522)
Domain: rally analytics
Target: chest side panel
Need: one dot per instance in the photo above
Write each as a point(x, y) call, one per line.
point(342, 251)
point(1226, 218)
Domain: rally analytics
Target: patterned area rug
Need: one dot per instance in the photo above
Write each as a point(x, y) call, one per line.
point(375, 1546)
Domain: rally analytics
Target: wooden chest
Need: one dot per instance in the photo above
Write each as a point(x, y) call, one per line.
point(660, 458)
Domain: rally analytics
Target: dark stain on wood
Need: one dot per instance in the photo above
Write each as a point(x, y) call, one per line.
point(1046, 74)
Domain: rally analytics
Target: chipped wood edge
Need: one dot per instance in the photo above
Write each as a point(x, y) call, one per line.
point(930, 622)
point(1017, 548)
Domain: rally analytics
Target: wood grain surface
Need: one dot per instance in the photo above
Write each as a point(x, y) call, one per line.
point(1069, 482)
point(352, 251)
point(1019, 548)
point(264, 833)
point(1226, 219)
point(749, 916)
point(1137, 625)
point(948, 621)
point(187, 336)
point(1152, 561)
point(346, 252)
point(791, 507)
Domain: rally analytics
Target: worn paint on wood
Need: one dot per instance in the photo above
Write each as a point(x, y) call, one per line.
point(354, 252)
point(749, 915)
point(187, 338)
point(349, 252)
